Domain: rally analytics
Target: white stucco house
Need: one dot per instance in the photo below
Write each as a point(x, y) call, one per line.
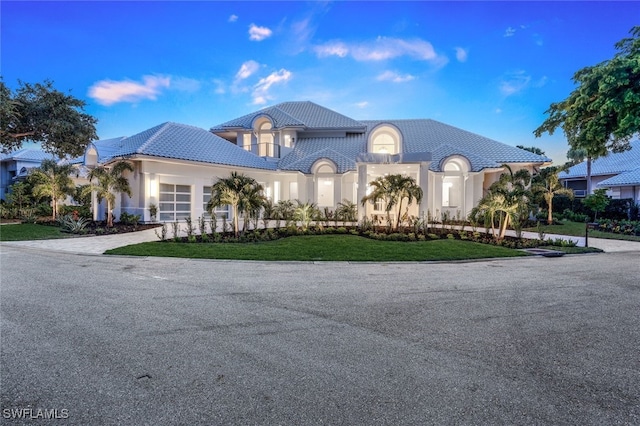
point(303, 151)
point(619, 173)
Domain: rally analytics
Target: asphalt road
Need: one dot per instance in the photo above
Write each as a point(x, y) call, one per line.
point(133, 341)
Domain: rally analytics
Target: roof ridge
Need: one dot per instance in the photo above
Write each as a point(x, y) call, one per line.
point(153, 137)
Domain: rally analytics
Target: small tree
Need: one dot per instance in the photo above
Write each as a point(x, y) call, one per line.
point(597, 202)
point(110, 181)
point(548, 185)
point(52, 180)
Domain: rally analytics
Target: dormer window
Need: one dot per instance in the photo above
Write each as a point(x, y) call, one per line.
point(384, 139)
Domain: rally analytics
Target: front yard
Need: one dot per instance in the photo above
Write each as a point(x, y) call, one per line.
point(323, 248)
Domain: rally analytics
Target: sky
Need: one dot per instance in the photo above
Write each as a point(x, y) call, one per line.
point(492, 68)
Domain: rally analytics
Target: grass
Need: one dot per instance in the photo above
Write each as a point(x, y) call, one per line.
point(30, 231)
point(323, 248)
point(577, 229)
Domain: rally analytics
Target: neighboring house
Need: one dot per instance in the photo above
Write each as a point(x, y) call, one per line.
point(15, 166)
point(303, 151)
point(618, 172)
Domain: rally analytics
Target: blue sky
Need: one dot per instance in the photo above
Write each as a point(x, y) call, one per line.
point(492, 68)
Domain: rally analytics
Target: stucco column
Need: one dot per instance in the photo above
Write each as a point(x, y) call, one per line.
point(362, 189)
point(423, 182)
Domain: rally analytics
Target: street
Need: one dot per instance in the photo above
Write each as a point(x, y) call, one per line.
point(121, 340)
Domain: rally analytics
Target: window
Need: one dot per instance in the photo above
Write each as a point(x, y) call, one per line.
point(384, 144)
point(220, 211)
point(384, 139)
point(175, 202)
point(293, 190)
point(325, 192)
point(265, 140)
point(246, 141)
point(276, 192)
point(453, 182)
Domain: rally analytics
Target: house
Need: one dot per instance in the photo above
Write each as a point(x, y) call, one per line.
point(619, 173)
point(15, 166)
point(303, 151)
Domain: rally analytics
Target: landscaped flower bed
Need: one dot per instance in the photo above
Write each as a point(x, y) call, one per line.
point(625, 227)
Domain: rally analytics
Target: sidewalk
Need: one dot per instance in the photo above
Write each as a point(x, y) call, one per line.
point(98, 245)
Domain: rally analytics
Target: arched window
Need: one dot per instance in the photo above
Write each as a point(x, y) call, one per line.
point(263, 130)
point(325, 171)
point(265, 139)
point(453, 182)
point(384, 139)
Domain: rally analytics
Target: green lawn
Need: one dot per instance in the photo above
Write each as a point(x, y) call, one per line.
point(323, 248)
point(577, 229)
point(30, 231)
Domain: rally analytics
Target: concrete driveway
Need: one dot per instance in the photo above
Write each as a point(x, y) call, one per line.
point(119, 340)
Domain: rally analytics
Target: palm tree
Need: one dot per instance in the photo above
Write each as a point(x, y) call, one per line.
point(548, 184)
point(240, 192)
point(110, 181)
point(52, 180)
point(393, 190)
point(509, 197)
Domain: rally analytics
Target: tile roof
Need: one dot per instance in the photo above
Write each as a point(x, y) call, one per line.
point(630, 178)
point(419, 135)
point(612, 164)
point(27, 154)
point(105, 149)
point(183, 142)
point(301, 114)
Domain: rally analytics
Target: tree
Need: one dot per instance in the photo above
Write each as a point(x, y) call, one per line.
point(597, 202)
point(509, 198)
point(40, 113)
point(547, 183)
point(603, 112)
point(110, 181)
point(238, 191)
point(393, 190)
point(52, 180)
point(533, 149)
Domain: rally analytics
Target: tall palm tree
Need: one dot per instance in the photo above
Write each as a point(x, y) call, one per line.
point(393, 190)
point(52, 180)
point(547, 183)
point(110, 181)
point(240, 192)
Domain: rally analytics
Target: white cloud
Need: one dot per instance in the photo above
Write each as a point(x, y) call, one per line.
point(388, 48)
point(514, 82)
point(362, 104)
point(109, 92)
point(220, 86)
point(233, 18)
point(394, 77)
point(461, 54)
point(509, 32)
point(338, 48)
point(247, 69)
point(261, 89)
point(257, 33)
point(380, 49)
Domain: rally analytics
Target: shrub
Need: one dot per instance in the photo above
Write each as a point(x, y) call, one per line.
point(74, 226)
point(129, 219)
